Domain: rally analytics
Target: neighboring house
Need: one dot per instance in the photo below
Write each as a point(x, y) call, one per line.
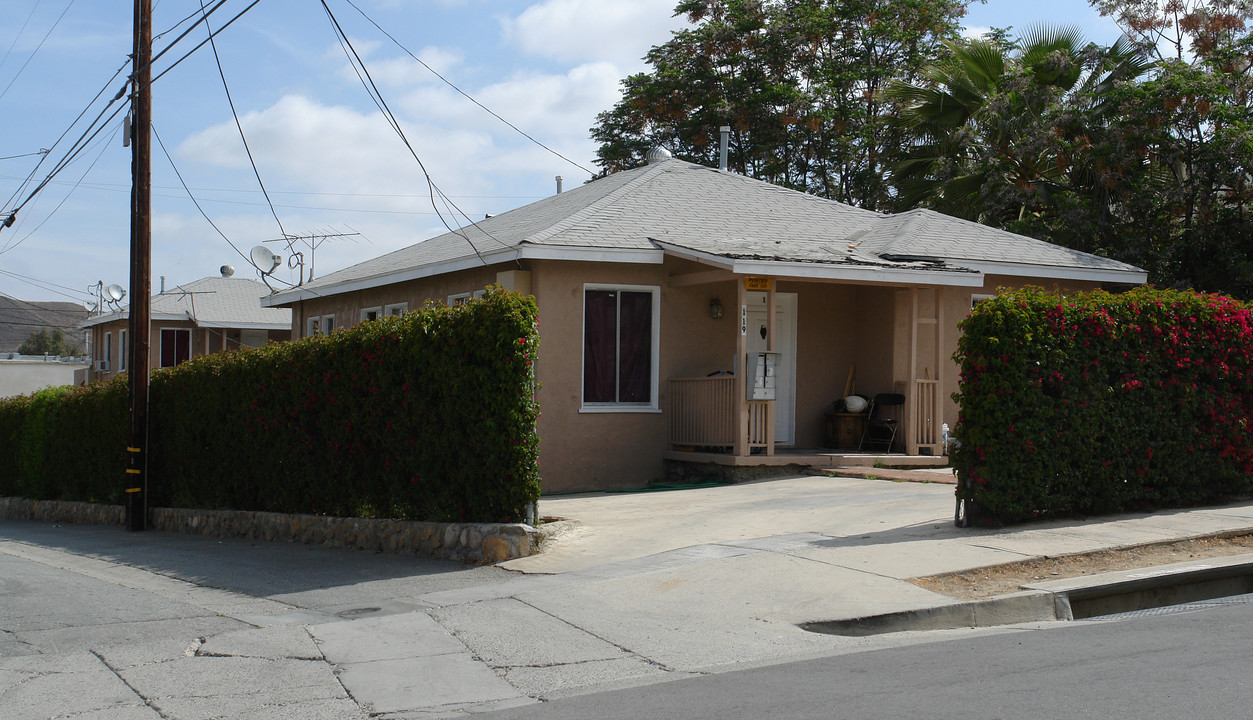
point(655, 284)
point(26, 374)
point(210, 315)
point(19, 319)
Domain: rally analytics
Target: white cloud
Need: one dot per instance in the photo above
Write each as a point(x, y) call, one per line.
point(616, 31)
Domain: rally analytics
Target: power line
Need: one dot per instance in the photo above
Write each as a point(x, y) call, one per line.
point(193, 197)
point(37, 48)
point(19, 34)
point(41, 151)
point(44, 285)
point(463, 93)
point(252, 161)
point(363, 74)
point(9, 246)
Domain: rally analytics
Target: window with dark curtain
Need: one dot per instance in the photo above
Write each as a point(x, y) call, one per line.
point(617, 346)
point(600, 329)
point(635, 347)
point(175, 347)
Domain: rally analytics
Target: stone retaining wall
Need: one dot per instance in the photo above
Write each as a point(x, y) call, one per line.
point(468, 542)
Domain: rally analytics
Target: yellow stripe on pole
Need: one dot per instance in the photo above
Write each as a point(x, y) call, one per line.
point(131, 449)
point(132, 471)
point(134, 490)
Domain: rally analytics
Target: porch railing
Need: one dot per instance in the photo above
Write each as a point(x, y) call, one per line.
point(702, 413)
point(924, 430)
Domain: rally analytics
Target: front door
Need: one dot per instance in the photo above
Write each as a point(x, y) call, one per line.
point(785, 343)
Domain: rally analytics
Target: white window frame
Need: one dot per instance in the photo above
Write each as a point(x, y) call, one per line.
point(377, 310)
point(479, 294)
point(396, 309)
point(976, 298)
point(319, 325)
point(458, 299)
point(652, 405)
point(108, 351)
point(121, 351)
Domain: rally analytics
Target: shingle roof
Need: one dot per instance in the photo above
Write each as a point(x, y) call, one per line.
point(717, 213)
point(216, 302)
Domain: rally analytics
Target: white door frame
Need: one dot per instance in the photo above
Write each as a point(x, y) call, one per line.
point(785, 326)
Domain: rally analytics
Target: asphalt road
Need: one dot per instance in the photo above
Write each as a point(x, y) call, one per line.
point(1167, 665)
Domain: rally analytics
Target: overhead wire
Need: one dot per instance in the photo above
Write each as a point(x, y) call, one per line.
point(63, 135)
point(372, 90)
point(251, 160)
point(37, 48)
point(41, 151)
point(195, 202)
point(10, 246)
point(463, 93)
point(20, 32)
point(43, 284)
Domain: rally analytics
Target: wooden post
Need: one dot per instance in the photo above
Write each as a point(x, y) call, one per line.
point(771, 346)
point(741, 355)
point(136, 485)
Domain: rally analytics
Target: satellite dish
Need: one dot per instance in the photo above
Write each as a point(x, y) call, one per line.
point(265, 260)
point(115, 292)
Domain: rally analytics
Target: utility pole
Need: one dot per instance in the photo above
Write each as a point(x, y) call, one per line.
point(141, 270)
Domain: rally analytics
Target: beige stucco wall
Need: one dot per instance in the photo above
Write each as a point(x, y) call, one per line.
point(204, 341)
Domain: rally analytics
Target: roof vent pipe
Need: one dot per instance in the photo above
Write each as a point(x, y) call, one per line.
point(162, 284)
point(722, 147)
point(558, 184)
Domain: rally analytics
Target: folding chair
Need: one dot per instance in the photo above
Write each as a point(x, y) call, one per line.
point(882, 422)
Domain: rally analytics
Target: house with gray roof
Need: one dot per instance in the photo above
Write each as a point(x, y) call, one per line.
point(210, 315)
point(693, 315)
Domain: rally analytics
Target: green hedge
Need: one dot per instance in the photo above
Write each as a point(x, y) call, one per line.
point(428, 416)
point(1096, 403)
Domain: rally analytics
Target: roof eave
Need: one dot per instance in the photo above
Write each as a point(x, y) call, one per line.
point(527, 252)
point(871, 274)
point(1130, 276)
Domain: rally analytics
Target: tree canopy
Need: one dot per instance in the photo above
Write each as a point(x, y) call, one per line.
point(50, 342)
point(1141, 151)
point(798, 81)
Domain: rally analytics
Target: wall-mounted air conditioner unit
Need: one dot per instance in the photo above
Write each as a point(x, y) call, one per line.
point(102, 366)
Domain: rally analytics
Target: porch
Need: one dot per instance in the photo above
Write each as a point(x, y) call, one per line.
point(690, 464)
point(703, 420)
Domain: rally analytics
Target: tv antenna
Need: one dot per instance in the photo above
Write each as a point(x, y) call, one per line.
point(296, 258)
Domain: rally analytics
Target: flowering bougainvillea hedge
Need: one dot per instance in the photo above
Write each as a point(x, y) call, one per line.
point(1097, 403)
point(429, 416)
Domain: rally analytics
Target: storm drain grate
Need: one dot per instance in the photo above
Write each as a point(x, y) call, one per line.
point(1246, 599)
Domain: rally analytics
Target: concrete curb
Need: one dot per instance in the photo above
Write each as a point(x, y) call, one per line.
point(477, 543)
point(1066, 599)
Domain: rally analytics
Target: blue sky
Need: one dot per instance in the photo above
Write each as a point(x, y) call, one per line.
point(329, 161)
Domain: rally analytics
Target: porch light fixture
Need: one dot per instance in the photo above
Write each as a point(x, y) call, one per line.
point(715, 308)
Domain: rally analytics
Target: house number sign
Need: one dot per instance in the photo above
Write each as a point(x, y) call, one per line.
point(743, 319)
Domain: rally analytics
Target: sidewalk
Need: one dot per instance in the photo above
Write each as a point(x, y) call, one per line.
point(636, 588)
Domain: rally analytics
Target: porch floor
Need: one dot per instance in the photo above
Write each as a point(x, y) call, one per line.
point(685, 464)
point(817, 457)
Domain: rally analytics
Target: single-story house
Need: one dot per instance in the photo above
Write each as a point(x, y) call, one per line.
point(210, 315)
point(659, 286)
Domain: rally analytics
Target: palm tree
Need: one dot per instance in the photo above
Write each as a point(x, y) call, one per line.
point(988, 141)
